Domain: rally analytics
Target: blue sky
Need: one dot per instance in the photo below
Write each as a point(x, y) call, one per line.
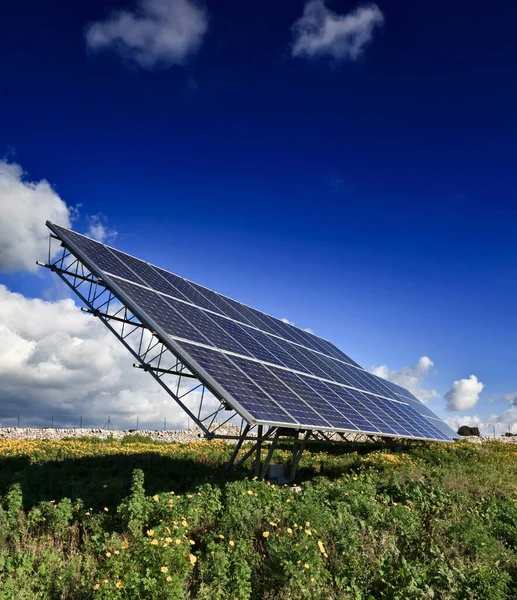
point(360, 183)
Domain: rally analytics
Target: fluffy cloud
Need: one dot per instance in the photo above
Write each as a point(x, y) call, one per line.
point(512, 398)
point(25, 206)
point(98, 229)
point(464, 393)
point(411, 378)
point(55, 359)
point(506, 421)
point(322, 32)
point(459, 420)
point(159, 32)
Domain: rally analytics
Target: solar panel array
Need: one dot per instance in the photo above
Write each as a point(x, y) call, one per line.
point(270, 371)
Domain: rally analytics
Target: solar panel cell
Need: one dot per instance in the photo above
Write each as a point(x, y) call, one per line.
point(220, 302)
point(238, 384)
point(205, 322)
point(148, 275)
point(159, 311)
point(96, 253)
point(316, 402)
point(335, 352)
point(356, 413)
point(248, 342)
point(292, 403)
point(189, 291)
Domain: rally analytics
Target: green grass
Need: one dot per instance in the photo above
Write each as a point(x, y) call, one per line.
point(135, 519)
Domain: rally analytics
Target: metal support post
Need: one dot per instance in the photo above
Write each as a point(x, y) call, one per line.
point(297, 454)
point(256, 468)
point(238, 446)
point(269, 456)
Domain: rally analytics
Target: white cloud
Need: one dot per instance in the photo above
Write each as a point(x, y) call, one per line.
point(99, 230)
point(284, 320)
point(411, 378)
point(459, 420)
point(159, 32)
point(323, 32)
point(24, 208)
point(506, 421)
point(512, 398)
point(464, 393)
point(55, 359)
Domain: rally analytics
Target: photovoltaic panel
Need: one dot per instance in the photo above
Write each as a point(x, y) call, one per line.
point(268, 370)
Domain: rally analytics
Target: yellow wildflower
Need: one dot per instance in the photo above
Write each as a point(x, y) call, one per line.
point(150, 532)
point(96, 586)
point(156, 498)
point(306, 566)
point(266, 534)
point(119, 585)
point(232, 543)
point(169, 578)
point(289, 531)
point(164, 569)
point(250, 492)
point(105, 509)
point(125, 545)
point(193, 559)
point(155, 542)
point(108, 554)
point(321, 547)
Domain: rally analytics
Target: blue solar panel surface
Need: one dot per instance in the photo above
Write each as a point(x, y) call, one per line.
point(271, 372)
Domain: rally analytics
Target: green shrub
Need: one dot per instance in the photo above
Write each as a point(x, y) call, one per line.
point(435, 522)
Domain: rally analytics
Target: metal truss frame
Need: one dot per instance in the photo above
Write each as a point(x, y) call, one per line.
point(150, 352)
point(156, 357)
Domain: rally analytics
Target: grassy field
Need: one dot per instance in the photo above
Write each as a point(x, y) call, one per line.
point(134, 519)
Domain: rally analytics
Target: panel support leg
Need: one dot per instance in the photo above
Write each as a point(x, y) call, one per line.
point(256, 468)
point(269, 456)
point(238, 446)
point(297, 454)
